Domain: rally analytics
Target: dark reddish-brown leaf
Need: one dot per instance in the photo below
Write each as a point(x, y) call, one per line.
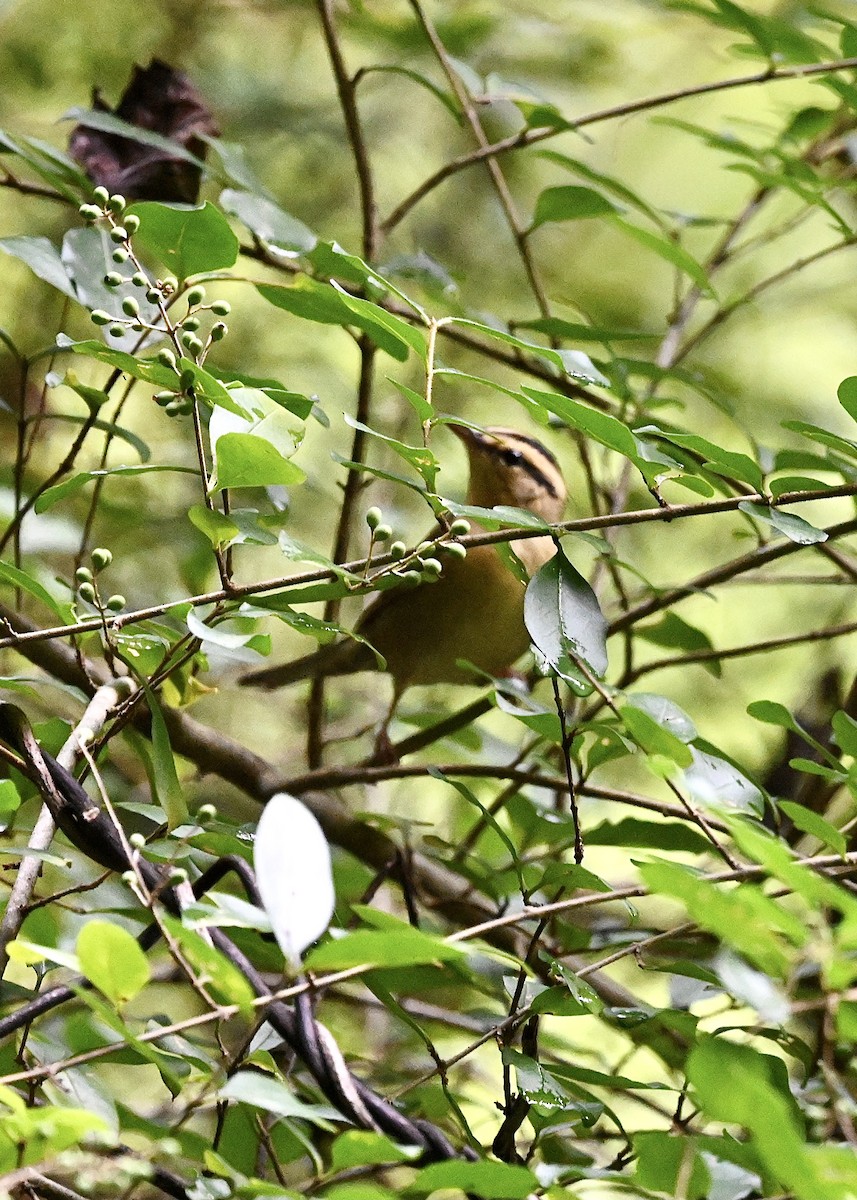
point(162, 101)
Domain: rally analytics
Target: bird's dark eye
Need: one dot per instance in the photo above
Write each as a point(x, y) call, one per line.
point(511, 458)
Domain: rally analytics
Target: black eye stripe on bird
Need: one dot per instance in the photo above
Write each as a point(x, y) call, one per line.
point(532, 464)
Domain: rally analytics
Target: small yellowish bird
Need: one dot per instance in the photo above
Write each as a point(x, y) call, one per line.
point(475, 611)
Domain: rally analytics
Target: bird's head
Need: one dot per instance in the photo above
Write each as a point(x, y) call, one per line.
point(512, 468)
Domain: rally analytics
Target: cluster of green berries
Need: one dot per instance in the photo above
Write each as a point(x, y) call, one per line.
point(185, 333)
point(423, 567)
point(87, 588)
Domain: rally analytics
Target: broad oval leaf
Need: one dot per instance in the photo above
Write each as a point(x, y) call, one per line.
point(563, 618)
point(111, 959)
point(187, 240)
point(571, 203)
point(293, 870)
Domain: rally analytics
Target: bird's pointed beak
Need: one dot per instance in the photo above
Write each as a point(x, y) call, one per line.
point(465, 434)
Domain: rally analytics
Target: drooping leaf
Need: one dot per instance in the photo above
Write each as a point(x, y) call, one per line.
point(293, 870)
point(43, 259)
point(268, 222)
point(564, 619)
point(795, 528)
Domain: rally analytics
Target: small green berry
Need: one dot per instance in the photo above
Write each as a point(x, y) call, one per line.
point(166, 357)
point(131, 306)
point(432, 567)
point(137, 840)
point(411, 578)
point(196, 295)
point(164, 398)
point(187, 379)
point(101, 558)
point(119, 255)
point(101, 194)
point(87, 592)
point(205, 812)
point(116, 204)
point(90, 212)
point(153, 295)
point(115, 603)
point(83, 575)
point(194, 344)
point(132, 223)
point(397, 549)
point(374, 517)
point(119, 234)
point(221, 308)
point(218, 331)
point(140, 280)
point(116, 330)
point(137, 326)
point(99, 317)
point(175, 408)
point(453, 549)
point(113, 279)
point(191, 324)
point(459, 527)
point(383, 533)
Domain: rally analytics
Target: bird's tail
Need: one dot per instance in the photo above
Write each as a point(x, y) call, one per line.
point(337, 658)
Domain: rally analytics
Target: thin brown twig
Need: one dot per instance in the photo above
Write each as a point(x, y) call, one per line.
point(605, 521)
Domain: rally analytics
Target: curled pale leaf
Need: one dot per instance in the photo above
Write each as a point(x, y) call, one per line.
point(292, 861)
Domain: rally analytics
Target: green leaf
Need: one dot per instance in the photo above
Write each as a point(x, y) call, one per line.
point(417, 400)
point(403, 946)
point(744, 918)
point(361, 1148)
point(847, 393)
point(564, 620)
point(773, 713)
point(845, 729)
point(490, 1180)
point(43, 259)
point(723, 462)
point(223, 980)
point(21, 580)
point(328, 305)
point(109, 123)
point(269, 1094)
point(796, 529)
point(188, 241)
point(111, 959)
point(167, 787)
point(216, 526)
point(147, 369)
point(268, 222)
point(670, 251)
point(246, 460)
point(570, 203)
point(810, 822)
point(667, 1161)
point(419, 457)
point(649, 835)
point(758, 1097)
point(666, 713)
point(653, 738)
point(569, 362)
point(59, 491)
